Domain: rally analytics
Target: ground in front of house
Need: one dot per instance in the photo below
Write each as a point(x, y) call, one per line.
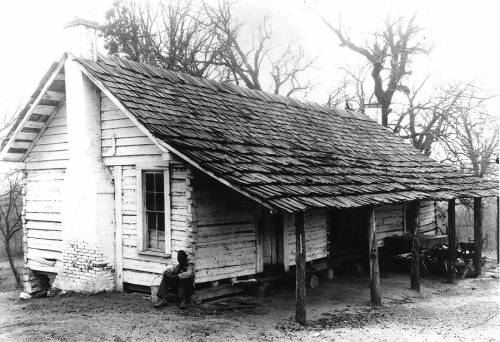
point(338, 310)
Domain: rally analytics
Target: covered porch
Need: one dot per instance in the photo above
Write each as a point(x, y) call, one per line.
point(365, 218)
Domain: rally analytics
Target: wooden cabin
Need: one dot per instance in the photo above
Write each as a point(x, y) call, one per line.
point(126, 163)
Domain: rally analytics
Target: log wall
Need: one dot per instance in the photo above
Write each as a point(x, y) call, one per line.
point(316, 232)
point(427, 217)
point(389, 220)
point(225, 241)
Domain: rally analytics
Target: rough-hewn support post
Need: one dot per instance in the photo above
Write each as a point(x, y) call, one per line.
point(478, 235)
point(300, 270)
point(498, 230)
point(415, 246)
point(375, 296)
point(452, 240)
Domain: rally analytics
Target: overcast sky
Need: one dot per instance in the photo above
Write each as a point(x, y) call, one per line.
point(466, 36)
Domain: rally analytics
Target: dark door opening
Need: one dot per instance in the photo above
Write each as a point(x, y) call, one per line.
point(272, 235)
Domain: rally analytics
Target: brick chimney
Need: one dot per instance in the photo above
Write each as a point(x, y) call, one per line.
point(88, 193)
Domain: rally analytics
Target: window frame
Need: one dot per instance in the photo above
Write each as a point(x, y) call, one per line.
point(142, 235)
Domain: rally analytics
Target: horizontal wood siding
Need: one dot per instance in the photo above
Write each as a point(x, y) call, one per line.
point(427, 217)
point(45, 170)
point(389, 220)
point(51, 150)
point(316, 231)
point(123, 143)
point(225, 240)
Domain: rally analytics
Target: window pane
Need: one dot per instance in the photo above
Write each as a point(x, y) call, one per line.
point(159, 181)
point(161, 245)
point(150, 181)
point(160, 202)
point(161, 221)
point(150, 201)
point(151, 224)
point(161, 236)
point(161, 241)
point(152, 243)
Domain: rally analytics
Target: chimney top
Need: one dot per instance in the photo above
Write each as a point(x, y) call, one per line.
point(84, 22)
point(81, 38)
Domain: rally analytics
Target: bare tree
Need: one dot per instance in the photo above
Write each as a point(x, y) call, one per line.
point(173, 35)
point(11, 216)
point(254, 64)
point(472, 144)
point(352, 91)
point(390, 54)
point(206, 41)
point(287, 71)
point(428, 119)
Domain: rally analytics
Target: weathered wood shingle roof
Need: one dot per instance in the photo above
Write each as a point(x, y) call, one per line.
point(290, 155)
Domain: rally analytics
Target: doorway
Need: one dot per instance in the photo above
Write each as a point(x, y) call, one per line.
point(270, 228)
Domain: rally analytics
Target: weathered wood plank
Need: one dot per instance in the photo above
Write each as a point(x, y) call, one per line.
point(375, 295)
point(140, 150)
point(41, 253)
point(300, 270)
point(415, 255)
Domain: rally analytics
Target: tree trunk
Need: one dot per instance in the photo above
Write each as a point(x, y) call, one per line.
point(300, 270)
point(452, 239)
point(478, 235)
point(375, 296)
point(415, 250)
point(12, 264)
point(385, 115)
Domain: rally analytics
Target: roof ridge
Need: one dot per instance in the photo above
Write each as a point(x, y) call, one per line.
point(233, 88)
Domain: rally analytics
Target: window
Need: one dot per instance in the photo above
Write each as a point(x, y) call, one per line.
point(153, 210)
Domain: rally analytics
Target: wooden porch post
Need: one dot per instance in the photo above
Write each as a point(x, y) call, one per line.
point(415, 250)
point(478, 235)
point(452, 239)
point(498, 230)
point(300, 270)
point(375, 295)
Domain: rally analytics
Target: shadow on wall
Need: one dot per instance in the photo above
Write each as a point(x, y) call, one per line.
point(465, 221)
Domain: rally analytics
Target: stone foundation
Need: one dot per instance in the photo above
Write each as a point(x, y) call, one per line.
point(84, 269)
point(35, 282)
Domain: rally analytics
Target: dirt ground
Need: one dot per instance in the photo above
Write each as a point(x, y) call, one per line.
point(7, 280)
point(338, 310)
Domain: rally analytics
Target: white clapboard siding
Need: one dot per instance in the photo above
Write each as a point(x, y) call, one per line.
point(225, 238)
point(43, 253)
point(43, 213)
point(51, 149)
point(316, 232)
point(122, 142)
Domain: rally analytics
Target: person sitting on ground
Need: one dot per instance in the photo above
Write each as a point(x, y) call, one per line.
point(177, 282)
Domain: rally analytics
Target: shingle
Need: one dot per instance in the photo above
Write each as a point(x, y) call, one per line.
point(289, 154)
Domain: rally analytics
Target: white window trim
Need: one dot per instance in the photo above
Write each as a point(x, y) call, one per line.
point(141, 222)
